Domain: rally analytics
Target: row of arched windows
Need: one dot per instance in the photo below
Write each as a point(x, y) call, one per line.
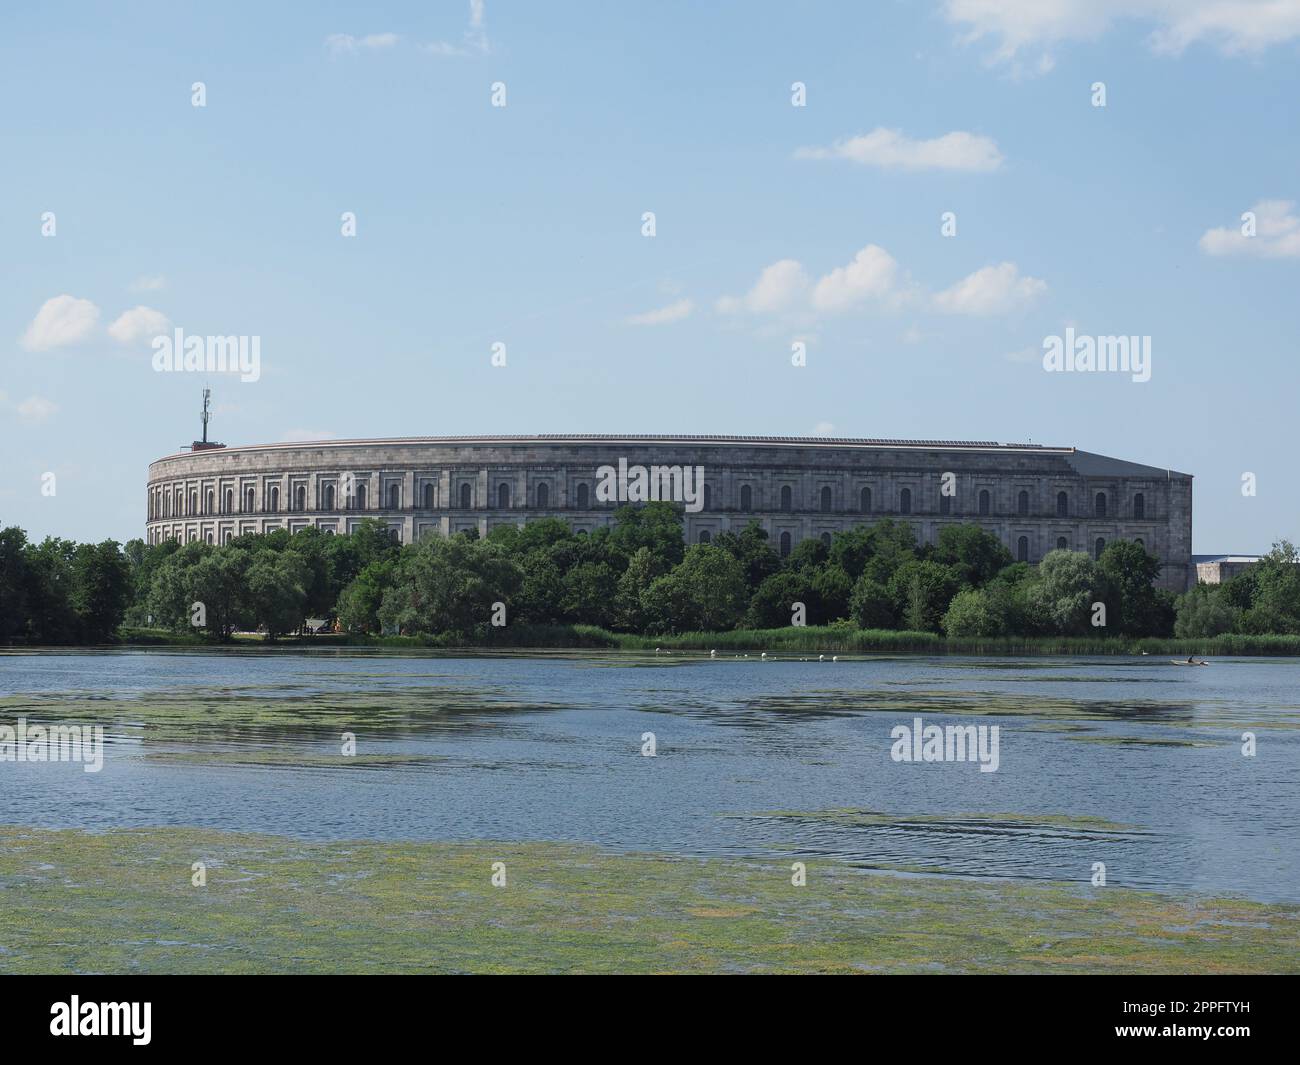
point(161, 503)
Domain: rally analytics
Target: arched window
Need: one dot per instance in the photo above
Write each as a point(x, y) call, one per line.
point(543, 495)
point(228, 502)
point(329, 497)
point(826, 539)
point(1062, 544)
point(1139, 507)
point(466, 495)
point(207, 501)
point(864, 501)
point(300, 501)
point(503, 497)
point(905, 501)
point(361, 496)
point(1140, 544)
point(945, 503)
point(1022, 503)
point(984, 502)
point(583, 497)
point(209, 538)
point(167, 506)
point(1022, 549)
point(1062, 505)
point(785, 544)
point(826, 500)
point(708, 501)
point(705, 536)
point(428, 497)
point(274, 498)
point(394, 496)
point(1099, 505)
point(225, 537)
point(194, 502)
point(1099, 547)
point(746, 497)
point(787, 498)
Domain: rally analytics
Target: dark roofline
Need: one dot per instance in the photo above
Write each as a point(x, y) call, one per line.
point(653, 438)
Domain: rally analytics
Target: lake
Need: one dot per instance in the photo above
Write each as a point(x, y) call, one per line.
point(1132, 762)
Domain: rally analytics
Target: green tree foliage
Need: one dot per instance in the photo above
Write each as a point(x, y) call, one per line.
point(976, 554)
point(705, 593)
point(449, 586)
point(976, 612)
point(1063, 591)
point(921, 590)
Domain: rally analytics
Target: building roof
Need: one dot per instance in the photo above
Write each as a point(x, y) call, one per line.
point(1196, 559)
point(1083, 462)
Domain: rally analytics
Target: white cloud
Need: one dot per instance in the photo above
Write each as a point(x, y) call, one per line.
point(1277, 234)
point(778, 287)
point(35, 409)
point(148, 284)
point(32, 410)
point(892, 150)
point(61, 320)
point(823, 429)
point(1233, 26)
point(674, 312)
point(475, 40)
point(346, 44)
point(990, 290)
point(137, 324)
point(872, 275)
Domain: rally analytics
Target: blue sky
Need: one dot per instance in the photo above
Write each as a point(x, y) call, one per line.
point(773, 223)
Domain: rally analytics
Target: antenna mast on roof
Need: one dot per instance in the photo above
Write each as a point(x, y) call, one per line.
point(205, 444)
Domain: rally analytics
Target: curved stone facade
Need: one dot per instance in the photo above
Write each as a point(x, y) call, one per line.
point(1034, 498)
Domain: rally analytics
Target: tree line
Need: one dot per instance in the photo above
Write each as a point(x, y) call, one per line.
point(636, 576)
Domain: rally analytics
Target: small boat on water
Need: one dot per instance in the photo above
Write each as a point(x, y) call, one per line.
point(1180, 662)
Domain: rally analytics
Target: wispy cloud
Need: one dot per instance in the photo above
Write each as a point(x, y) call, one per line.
point(1017, 27)
point(475, 39)
point(674, 312)
point(345, 44)
point(890, 149)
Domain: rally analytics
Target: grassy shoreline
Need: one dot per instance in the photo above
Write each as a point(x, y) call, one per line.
point(123, 901)
point(826, 638)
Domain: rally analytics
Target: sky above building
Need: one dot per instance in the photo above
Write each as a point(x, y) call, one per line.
point(643, 211)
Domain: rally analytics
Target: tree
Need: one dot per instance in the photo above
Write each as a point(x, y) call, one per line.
point(977, 556)
point(587, 593)
point(772, 605)
point(975, 612)
point(449, 586)
point(705, 593)
point(1063, 592)
point(277, 590)
point(358, 604)
point(100, 590)
point(642, 571)
point(1205, 611)
point(656, 526)
point(1277, 589)
point(14, 583)
point(750, 548)
point(921, 591)
point(871, 605)
point(892, 544)
point(1133, 607)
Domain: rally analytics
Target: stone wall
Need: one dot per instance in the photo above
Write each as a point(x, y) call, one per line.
point(1034, 498)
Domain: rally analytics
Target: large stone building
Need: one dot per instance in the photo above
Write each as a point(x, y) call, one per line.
point(1032, 497)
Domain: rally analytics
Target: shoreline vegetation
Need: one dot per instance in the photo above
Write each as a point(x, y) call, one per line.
point(813, 639)
point(127, 901)
point(635, 584)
